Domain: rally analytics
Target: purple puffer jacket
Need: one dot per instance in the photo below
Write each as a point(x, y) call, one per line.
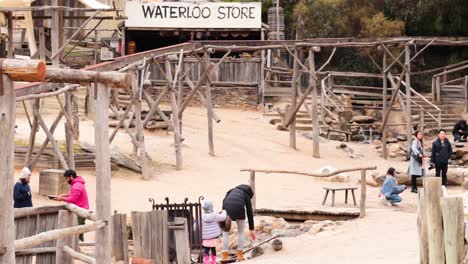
point(210, 224)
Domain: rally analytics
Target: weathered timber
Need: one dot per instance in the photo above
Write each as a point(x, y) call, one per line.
point(80, 211)
point(40, 238)
point(435, 234)
point(313, 174)
point(422, 231)
point(454, 226)
point(110, 79)
point(35, 251)
point(319, 215)
point(79, 256)
point(7, 126)
point(24, 70)
point(103, 169)
point(49, 94)
point(65, 219)
point(31, 211)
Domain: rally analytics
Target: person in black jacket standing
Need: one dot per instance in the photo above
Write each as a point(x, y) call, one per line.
point(441, 152)
point(22, 191)
point(237, 203)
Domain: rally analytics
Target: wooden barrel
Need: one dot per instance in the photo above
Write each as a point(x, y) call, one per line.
point(131, 47)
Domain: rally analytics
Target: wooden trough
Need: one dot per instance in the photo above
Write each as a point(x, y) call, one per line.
point(334, 214)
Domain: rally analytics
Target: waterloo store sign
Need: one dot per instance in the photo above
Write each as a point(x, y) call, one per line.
point(193, 15)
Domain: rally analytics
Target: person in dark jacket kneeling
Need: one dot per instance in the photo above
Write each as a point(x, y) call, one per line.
point(22, 192)
point(441, 152)
point(237, 203)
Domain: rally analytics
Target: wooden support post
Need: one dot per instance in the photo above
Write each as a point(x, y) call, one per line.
point(69, 131)
point(103, 174)
point(422, 231)
point(119, 237)
point(7, 160)
point(409, 130)
point(435, 234)
point(144, 162)
point(46, 141)
point(421, 121)
point(252, 185)
point(65, 219)
point(466, 93)
point(89, 102)
point(10, 35)
point(292, 126)
point(362, 204)
point(439, 100)
point(42, 44)
point(95, 47)
point(32, 134)
point(454, 227)
point(261, 92)
point(175, 120)
point(209, 109)
point(51, 139)
point(56, 35)
point(75, 117)
point(315, 118)
point(384, 102)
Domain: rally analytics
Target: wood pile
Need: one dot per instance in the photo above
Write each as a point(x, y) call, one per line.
point(122, 100)
point(84, 158)
point(460, 155)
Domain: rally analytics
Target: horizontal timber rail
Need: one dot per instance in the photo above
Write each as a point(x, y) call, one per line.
point(32, 241)
point(79, 256)
point(363, 170)
point(30, 211)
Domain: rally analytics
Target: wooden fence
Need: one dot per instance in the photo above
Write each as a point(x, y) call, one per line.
point(363, 170)
point(440, 225)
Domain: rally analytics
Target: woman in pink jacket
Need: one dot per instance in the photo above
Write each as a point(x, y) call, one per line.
point(77, 196)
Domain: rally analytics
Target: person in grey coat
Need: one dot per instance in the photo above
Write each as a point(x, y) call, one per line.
point(416, 163)
point(211, 231)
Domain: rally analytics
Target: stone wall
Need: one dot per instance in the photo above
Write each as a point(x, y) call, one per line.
point(223, 96)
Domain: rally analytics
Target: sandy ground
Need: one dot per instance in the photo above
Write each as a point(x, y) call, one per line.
point(244, 139)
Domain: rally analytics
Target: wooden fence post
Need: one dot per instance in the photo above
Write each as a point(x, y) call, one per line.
point(103, 174)
point(315, 119)
point(439, 100)
point(119, 237)
point(182, 243)
point(422, 231)
point(69, 135)
point(466, 93)
point(7, 129)
point(454, 225)
point(435, 232)
point(292, 126)
point(362, 204)
point(252, 185)
point(65, 219)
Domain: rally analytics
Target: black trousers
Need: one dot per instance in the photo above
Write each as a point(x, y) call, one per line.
point(441, 170)
point(206, 251)
point(81, 221)
point(414, 183)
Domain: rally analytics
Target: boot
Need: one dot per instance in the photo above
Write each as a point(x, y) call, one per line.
point(206, 259)
point(224, 255)
point(213, 259)
point(240, 255)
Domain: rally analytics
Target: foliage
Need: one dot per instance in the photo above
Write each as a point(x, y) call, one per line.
point(378, 26)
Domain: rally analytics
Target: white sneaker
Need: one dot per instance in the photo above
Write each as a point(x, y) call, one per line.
point(389, 203)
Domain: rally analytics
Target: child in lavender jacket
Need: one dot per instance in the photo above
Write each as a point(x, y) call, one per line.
point(211, 231)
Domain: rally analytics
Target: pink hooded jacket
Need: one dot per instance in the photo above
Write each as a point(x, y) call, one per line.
point(78, 195)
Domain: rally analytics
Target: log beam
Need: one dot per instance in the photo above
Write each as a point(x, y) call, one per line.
point(7, 143)
point(24, 70)
point(79, 256)
point(313, 174)
point(110, 79)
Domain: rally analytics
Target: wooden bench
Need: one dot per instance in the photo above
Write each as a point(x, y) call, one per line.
point(334, 189)
point(345, 133)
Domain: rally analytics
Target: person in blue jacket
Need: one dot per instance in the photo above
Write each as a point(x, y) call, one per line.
point(390, 189)
point(22, 192)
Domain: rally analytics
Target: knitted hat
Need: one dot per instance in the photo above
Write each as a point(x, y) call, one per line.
point(208, 207)
point(25, 172)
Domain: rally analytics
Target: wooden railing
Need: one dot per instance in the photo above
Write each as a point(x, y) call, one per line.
point(66, 228)
point(440, 79)
point(363, 170)
point(327, 96)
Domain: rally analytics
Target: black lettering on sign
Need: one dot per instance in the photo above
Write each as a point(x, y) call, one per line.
point(173, 11)
point(158, 12)
point(165, 11)
point(206, 12)
point(235, 12)
point(147, 10)
point(244, 11)
point(229, 11)
point(182, 12)
point(221, 14)
point(251, 12)
point(197, 13)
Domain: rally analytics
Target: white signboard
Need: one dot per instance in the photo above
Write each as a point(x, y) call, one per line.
point(106, 54)
point(193, 15)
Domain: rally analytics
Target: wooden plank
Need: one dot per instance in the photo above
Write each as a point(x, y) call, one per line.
point(181, 237)
point(65, 219)
point(136, 232)
point(294, 84)
point(252, 185)
point(7, 128)
point(454, 225)
point(32, 135)
point(409, 130)
point(209, 109)
point(435, 234)
point(362, 204)
point(175, 117)
point(103, 172)
point(69, 138)
point(117, 251)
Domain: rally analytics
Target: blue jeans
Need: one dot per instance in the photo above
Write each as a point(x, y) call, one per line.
point(394, 198)
point(456, 136)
